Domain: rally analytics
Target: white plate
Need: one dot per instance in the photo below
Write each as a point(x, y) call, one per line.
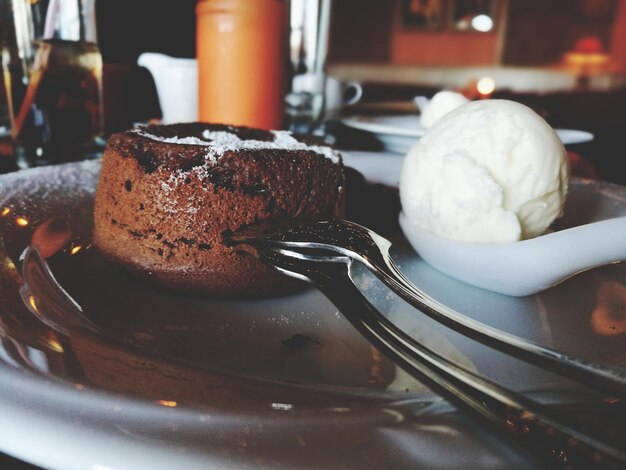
point(396, 133)
point(399, 133)
point(376, 167)
point(169, 381)
point(402, 125)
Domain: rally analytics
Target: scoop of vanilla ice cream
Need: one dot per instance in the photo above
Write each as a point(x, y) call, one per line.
point(491, 171)
point(439, 105)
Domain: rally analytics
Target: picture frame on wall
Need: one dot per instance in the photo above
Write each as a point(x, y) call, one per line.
point(422, 14)
point(478, 16)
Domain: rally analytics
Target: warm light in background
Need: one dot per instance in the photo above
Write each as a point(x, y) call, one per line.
point(21, 221)
point(482, 23)
point(588, 45)
point(76, 249)
point(5, 211)
point(171, 404)
point(588, 56)
point(33, 304)
point(53, 342)
point(9, 265)
point(486, 86)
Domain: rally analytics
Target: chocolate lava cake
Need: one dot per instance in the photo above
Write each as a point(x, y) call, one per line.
point(170, 196)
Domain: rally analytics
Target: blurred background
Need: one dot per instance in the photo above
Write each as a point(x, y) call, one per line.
point(535, 33)
point(564, 58)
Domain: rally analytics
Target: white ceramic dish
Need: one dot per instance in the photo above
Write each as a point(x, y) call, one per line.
point(594, 211)
point(175, 382)
point(396, 133)
point(373, 169)
point(592, 233)
point(399, 133)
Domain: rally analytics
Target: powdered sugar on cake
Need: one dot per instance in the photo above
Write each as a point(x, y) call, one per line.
point(220, 142)
point(283, 140)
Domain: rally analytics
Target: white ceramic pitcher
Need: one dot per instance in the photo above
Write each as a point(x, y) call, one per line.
point(176, 82)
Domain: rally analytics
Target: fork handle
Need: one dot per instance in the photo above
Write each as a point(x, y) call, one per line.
point(364, 245)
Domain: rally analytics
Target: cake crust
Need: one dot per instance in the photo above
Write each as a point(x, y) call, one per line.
point(169, 197)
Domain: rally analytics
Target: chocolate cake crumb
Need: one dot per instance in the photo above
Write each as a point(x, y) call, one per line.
point(195, 185)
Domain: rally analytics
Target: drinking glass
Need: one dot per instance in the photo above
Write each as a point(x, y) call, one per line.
point(308, 47)
point(52, 71)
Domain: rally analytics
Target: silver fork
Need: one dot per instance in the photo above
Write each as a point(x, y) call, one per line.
point(542, 427)
point(539, 425)
point(364, 245)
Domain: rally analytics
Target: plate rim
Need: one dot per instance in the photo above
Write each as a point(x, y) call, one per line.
point(23, 378)
point(579, 136)
point(377, 128)
point(22, 385)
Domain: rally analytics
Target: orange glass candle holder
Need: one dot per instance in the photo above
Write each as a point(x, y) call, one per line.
point(241, 51)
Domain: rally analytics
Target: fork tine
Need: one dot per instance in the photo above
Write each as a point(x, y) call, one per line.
point(364, 245)
point(539, 424)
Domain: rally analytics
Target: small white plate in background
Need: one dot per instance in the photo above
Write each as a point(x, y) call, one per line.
point(399, 133)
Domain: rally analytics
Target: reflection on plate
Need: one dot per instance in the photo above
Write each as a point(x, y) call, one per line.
point(573, 136)
point(399, 133)
point(133, 374)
